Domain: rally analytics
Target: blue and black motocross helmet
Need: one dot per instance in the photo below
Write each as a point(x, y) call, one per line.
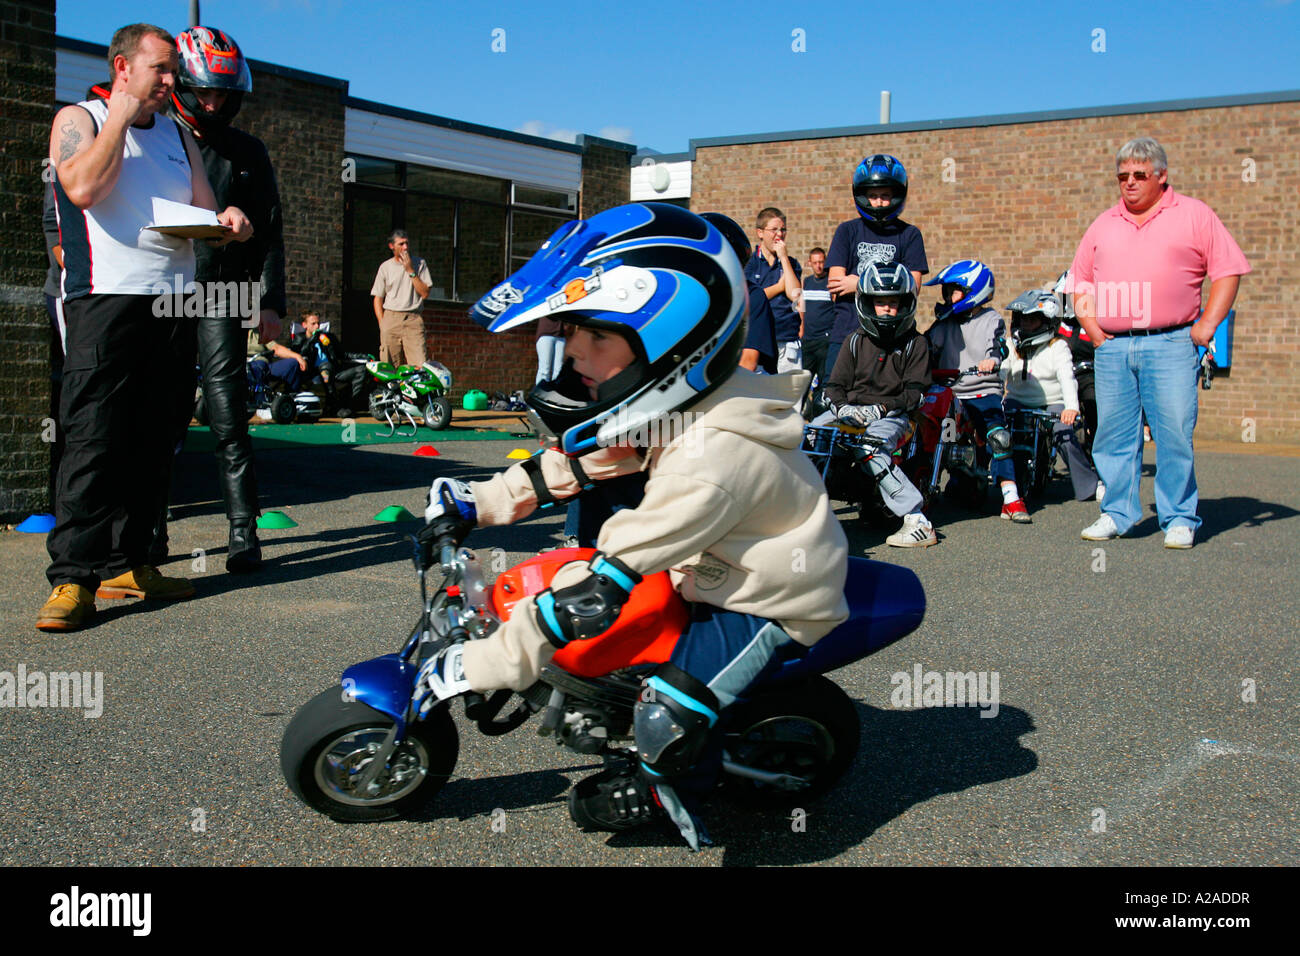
point(975, 280)
point(663, 278)
point(880, 170)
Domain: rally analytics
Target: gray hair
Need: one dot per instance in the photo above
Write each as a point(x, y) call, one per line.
point(397, 234)
point(1144, 149)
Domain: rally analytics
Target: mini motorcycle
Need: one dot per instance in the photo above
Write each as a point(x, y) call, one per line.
point(363, 750)
point(406, 392)
point(1033, 449)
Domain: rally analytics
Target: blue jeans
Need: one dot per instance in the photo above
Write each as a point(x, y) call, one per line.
point(550, 357)
point(1155, 375)
point(986, 414)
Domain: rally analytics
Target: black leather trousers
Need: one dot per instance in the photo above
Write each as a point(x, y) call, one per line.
point(222, 357)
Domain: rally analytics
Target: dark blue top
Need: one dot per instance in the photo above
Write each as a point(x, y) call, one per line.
point(819, 312)
point(758, 272)
point(858, 243)
point(762, 330)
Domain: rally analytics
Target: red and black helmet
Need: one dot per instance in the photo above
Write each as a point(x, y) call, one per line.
point(209, 60)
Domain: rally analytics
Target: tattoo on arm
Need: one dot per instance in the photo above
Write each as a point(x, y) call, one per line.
point(70, 142)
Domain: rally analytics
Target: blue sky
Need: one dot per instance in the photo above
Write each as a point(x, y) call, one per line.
point(660, 72)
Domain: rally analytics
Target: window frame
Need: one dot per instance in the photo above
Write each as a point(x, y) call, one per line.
point(402, 191)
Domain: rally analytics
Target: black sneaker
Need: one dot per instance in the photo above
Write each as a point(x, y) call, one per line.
point(614, 800)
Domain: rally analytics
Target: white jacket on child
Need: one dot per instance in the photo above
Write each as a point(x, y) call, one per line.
point(1045, 378)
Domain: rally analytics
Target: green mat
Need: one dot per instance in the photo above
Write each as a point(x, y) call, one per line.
point(319, 435)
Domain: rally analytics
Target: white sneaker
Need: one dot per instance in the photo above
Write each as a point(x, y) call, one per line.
point(1179, 536)
point(1103, 529)
point(917, 532)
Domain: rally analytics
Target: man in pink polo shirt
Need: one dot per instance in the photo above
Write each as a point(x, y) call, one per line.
point(1137, 279)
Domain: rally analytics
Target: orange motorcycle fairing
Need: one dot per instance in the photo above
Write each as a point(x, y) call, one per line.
point(646, 631)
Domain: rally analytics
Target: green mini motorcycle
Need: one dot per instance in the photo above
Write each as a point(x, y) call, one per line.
point(406, 393)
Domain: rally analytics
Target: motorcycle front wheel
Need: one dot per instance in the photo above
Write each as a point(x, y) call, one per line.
point(809, 729)
point(437, 412)
point(332, 740)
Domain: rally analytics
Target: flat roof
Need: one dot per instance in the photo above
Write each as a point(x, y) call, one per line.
point(1001, 119)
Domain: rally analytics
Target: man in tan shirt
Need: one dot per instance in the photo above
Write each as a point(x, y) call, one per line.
point(399, 292)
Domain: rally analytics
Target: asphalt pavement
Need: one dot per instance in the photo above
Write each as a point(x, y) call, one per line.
point(1146, 709)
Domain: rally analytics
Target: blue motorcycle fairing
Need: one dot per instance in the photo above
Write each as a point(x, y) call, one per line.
point(886, 603)
point(384, 683)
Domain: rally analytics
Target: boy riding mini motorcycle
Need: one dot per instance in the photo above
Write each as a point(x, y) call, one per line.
point(688, 634)
point(655, 301)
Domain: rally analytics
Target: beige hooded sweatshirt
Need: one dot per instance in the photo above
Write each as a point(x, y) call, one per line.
point(732, 508)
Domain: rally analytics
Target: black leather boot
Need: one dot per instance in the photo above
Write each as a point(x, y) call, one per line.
point(245, 552)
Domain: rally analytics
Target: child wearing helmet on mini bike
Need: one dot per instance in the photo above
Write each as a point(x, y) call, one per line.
point(879, 379)
point(654, 300)
point(968, 333)
point(1038, 372)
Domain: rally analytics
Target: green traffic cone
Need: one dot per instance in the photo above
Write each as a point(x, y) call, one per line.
point(394, 513)
point(275, 520)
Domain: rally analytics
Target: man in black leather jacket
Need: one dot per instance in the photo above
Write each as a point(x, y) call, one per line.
point(211, 83)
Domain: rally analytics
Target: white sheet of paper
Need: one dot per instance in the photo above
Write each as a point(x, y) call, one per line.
point(168, 213)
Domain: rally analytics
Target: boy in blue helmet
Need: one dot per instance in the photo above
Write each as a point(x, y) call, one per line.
point(877, 234)
point(655, 301)
point(969, 333)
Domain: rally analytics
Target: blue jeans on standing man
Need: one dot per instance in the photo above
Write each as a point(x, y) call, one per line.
point(1153, 374)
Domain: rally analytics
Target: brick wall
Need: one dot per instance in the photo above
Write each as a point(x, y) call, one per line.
point(476, 358)
point(606, 181)
point(26, 102)
point(1020, 197)
point(301, 123)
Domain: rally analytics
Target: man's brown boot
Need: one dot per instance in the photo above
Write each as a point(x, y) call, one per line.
point(69, 608)
point(146, 582)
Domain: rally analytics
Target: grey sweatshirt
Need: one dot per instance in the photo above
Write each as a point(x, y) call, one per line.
point(962, 343)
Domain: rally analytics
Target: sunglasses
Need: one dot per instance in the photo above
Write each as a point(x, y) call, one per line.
point(1140, 176)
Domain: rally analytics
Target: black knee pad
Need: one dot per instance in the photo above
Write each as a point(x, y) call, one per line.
point(672, 726)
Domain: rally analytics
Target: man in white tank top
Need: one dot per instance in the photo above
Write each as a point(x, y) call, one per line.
point(111, 160)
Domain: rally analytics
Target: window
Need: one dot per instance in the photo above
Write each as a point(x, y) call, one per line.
point(381, 172)
point(535, 196)
point(472, 230)
point(481, 245)
point(527, 233)
point(431, 222)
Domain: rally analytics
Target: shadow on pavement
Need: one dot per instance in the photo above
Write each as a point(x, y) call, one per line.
point(289, 478)
point(907, 757)
point(1219, 515)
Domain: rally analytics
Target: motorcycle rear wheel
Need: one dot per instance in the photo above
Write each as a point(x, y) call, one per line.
point(329, 742)
point(810, 730)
